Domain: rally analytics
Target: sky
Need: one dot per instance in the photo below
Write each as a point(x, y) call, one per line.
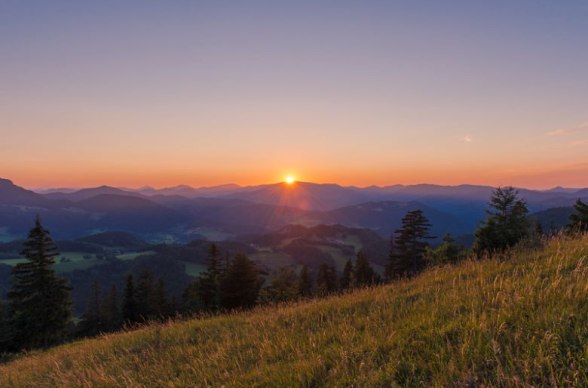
point(358, 93)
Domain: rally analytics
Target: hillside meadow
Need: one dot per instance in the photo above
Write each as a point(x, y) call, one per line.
point(518, 319)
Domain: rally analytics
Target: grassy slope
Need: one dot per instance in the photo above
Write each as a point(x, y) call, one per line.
point(494, 322)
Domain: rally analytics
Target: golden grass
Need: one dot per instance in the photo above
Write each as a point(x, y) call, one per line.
point(496, 322)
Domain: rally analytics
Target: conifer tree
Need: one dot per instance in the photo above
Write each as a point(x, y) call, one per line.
point(448, 252)
point(364, 273)
point(326, 280)
point(506, 223)
point(145, 297)
point(407, 256)
point(110, 310)
point(347, 280)
point(5, 332)
point(579, 219)
point(91, 322)
point(283, 288)
point(161, 304)
point(40, 302)
point(130, 310)
point(191, 301)
point(209, 280)
point(305, 283)
point(241, 283)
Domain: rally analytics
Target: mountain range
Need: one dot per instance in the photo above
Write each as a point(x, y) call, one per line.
point(183, 213)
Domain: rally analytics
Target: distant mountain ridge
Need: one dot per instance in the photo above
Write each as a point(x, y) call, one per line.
point(88, 193)
point(314, 196)
point(181, 190)
point(11, 194)
point(183, 213)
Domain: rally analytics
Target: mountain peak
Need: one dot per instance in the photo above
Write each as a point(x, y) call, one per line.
point(15, 195)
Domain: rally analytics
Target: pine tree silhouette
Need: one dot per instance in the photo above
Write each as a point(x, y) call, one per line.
point(40, 302)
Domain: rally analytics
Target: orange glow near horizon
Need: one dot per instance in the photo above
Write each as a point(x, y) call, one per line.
point(574, 175)
point(350, 94)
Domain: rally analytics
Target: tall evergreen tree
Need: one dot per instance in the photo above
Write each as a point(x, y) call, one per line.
point(407, 256)
point(326, 280)
point(130, 310)
point(209, 280)
point(5, 332)
point(579, 219)
point(506, 222)
point(145, 296)
point(283, 288)
point(241, 283)
point(40, 302)
point(92, 321)
point(364, 273)
point(110, 310)
point(448, 252)
point(191, 301)
point(305, 283)
point(347, 280)
point(161, 304)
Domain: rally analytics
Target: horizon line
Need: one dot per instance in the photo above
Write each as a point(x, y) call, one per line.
point(159, 188)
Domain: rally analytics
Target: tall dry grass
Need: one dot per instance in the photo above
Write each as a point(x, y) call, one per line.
point(514, 320)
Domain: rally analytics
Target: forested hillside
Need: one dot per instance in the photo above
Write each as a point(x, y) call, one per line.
point(515, 319)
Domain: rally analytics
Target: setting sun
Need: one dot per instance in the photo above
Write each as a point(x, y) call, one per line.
point(290, 179)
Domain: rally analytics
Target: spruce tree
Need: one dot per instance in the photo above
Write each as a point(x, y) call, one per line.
point(145, 296)
point(305, 283)
point(40, 302)
point(110, 310)
point(407, 256)
point(448, 252)
point(283, 288)
point(506, 223)
point(241, 283)
point(364, 273)
point(347, 280)
point(5, 332)
point(208, 283)
point(161, 304)
point(579, 219)
point(130, 310)
point(191, 301)
point(92, 321)
point(326, 280)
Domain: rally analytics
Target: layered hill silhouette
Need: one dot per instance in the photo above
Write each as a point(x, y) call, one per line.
point(183, 213)
point(11, 194)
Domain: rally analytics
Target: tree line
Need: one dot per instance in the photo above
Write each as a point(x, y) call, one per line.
point(39, 313)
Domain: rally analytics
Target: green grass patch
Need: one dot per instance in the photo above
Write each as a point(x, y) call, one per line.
point(194, 269)
point(272, 260)
point(13, 261)
point(339, 256)
point(134, 255)
point(74, 261)
point(212, 234)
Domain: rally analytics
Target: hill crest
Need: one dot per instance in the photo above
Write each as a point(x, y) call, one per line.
point(480, 323)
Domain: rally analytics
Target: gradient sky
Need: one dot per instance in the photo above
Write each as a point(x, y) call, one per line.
point(354, 92)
